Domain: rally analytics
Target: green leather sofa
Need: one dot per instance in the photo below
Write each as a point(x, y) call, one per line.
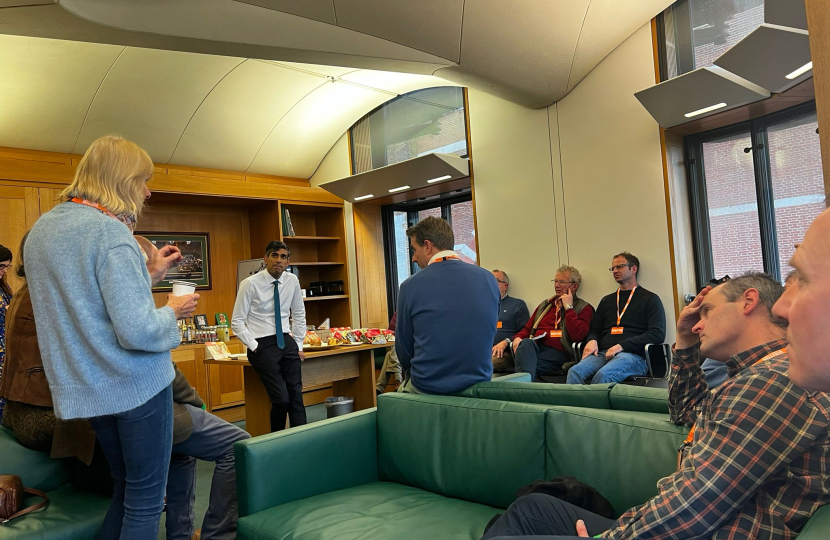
point(440, 467)
point(71, 513)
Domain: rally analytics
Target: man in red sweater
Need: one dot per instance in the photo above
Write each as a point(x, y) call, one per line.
point(546, 341)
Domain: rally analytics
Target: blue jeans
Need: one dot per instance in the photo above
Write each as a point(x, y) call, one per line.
point(212, 439)
point(137, 446)
point(618, 369)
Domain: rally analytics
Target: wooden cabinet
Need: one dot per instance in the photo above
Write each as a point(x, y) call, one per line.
point(219, 386)
point(226, 385)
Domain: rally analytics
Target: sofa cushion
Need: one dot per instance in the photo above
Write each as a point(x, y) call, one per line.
point(70, 515)
point(621, 453)
point(36, 469)
point(379, 510)
point(594, 396)
point(625, 397)
point(472, 449)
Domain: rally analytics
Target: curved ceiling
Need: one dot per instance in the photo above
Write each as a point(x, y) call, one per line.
point(189, 109)
point(531, 52)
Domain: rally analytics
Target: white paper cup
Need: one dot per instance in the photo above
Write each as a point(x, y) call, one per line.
point(181, 288)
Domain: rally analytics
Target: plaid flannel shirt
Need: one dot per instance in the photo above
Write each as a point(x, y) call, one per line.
point(687, 383)
point(757, 467)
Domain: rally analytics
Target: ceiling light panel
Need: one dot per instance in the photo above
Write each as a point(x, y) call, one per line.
point(767, 55)
point(669, 102)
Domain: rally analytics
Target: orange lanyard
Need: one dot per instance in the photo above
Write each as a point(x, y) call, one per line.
point(558, 316)
point(773, 354)
point(93, 205)
point(620, 315)
point(442, 259)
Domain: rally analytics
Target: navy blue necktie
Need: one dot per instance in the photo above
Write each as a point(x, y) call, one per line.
point(278, 315)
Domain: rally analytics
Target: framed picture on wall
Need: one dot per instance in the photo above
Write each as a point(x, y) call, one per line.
point(194, 265)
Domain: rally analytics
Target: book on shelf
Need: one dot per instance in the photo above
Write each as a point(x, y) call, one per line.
point(287, 226)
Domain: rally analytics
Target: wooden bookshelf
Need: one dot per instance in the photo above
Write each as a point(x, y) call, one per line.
point(318, 253)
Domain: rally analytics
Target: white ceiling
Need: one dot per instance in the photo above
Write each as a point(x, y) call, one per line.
point(185, 108)
point(531, 52)
point(252, 85)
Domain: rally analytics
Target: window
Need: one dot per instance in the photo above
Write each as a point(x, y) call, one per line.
point(419, 123)
point(456, 208)
point(754, 189)
point(693, 33)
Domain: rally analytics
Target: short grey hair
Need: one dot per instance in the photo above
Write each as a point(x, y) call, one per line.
point(576, 277)
point(769, 291)
point(503, 274)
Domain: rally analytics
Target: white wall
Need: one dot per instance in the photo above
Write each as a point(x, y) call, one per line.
point(514, 196)
point(574, 183)
point(333, 167)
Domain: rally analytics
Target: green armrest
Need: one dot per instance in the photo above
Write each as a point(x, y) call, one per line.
point(625, 397)
point(593, 396)
point(818, 526)
point(309, 460)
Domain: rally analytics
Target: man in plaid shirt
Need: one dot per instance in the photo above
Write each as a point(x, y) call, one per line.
point(756, 465)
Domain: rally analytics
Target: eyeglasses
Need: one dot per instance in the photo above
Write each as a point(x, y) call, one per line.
point(4, 267)
point(561, 282)
point(500, 281)
point(618, 267)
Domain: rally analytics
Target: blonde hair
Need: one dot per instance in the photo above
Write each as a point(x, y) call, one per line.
point(112, 173)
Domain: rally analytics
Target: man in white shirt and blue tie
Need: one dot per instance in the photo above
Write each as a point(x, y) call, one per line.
point(274, 352)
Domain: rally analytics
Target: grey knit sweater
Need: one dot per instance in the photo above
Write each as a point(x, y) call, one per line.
point(105, 345)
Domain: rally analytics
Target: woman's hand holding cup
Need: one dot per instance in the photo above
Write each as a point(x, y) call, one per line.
point(183, 306)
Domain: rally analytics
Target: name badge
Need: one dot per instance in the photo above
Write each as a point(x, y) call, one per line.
point(616, 330)
point(498, 324)
point(556, 333)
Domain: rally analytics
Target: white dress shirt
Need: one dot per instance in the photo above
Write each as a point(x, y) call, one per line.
point(253, 312)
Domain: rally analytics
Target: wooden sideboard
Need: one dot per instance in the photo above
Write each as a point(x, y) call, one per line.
point(221, 386)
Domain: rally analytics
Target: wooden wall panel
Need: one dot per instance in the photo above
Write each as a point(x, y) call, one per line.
point(818, 22)
point(371, 267)
point(19, 209)
point(229, 243)
point(39, 168)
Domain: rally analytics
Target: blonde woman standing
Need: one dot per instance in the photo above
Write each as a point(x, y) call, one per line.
point(105, 345)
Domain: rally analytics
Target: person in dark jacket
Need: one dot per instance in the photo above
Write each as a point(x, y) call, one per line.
point(513, 316)
point(623, 324)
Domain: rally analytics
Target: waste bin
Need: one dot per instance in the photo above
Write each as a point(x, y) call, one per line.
point(338, 406)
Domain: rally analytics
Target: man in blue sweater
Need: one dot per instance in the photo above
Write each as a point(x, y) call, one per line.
point(447, 315)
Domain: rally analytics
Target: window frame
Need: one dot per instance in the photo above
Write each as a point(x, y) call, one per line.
point(412, 217)
point(765, 197)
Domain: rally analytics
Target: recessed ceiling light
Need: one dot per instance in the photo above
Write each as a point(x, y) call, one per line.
point(395, 190)
point(440, 178)
point(803, 69)
point(705, 110)
point(362, 197)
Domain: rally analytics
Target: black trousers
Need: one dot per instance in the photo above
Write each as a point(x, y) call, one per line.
point(541, 515)
point(281, 374)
